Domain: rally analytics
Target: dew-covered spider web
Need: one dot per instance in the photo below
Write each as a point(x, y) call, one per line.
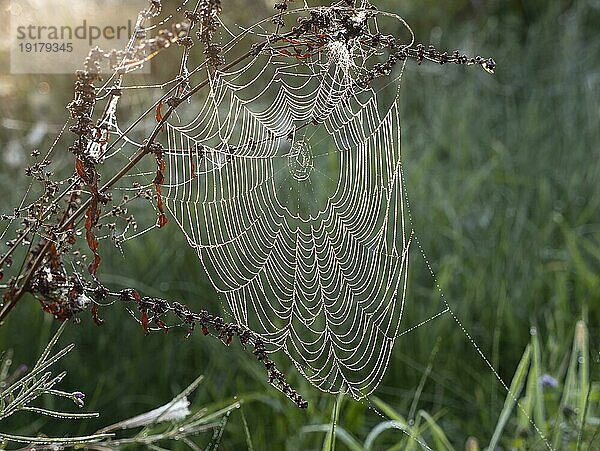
point(287, 183)
point(284, 174)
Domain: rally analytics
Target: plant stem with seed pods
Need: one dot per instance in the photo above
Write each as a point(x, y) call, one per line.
point(18, 294)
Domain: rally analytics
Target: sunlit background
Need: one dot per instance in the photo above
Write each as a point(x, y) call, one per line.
point(502, 174)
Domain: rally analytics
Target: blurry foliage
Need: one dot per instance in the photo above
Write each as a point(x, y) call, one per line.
point(503, 176)
point(164, 425)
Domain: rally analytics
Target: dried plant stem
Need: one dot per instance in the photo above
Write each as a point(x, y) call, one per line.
point(55, 440)
point(22, 289)
point(152, 310)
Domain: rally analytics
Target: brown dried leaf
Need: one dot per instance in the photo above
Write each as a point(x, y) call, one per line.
point(95, 316)
point(145, 322)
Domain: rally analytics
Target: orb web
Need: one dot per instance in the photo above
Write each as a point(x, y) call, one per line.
point(286, 180)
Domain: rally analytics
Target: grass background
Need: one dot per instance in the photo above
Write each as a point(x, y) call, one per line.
point(502, 174)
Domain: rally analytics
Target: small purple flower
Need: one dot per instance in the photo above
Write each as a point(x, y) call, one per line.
point(78, 398)
point(548, 381)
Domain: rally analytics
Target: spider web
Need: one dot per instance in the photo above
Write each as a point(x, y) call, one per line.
point(287, 182)
point(286, 178)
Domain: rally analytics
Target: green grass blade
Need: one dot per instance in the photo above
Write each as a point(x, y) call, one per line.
point(583, 360)
point(344, 436)
point(387, 410)
point(534, 387)
point(246, 431)
point(424, 377)
point(382, 427)
point(329, 443)
point(576, 380)
point(582, 338)
point(397, 422)
point(414, 438)
point(584, 271)
point(437, 433)
point(511, 397)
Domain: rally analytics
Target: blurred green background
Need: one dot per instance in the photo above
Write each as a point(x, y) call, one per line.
point(503, 173)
